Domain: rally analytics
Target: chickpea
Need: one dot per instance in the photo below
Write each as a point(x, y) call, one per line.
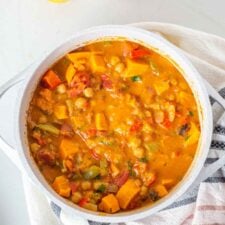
point(76, 197)
point(159, 116)
point(42, 119)
point(138, 152)
point(119, 68)
point(88, 92)
point(143, 191)
point(61, 89)
point(86, 185)
point(134, 142)
point(114, 60)
point(81, 103)
point(173, 82)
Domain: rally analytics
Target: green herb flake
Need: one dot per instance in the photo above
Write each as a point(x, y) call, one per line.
point(136, 78)
point(191, 113)
point(153, 195)
point(101, 188)
point(143, 159)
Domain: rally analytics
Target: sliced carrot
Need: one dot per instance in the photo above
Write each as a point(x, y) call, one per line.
point(51, 80)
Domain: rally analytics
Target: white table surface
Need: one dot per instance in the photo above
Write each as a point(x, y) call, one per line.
point(28, 28)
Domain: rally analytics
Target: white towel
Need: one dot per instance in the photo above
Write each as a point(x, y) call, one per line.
point(204, 205)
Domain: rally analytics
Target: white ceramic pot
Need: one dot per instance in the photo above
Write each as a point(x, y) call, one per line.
point(163, 47)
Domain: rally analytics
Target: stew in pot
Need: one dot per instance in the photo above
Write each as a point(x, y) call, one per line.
point(113, 126)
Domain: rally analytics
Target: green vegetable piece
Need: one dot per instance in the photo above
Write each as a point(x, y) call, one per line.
point(49, 128)
point(136, 78)
point(92, 172)
point(101, 188)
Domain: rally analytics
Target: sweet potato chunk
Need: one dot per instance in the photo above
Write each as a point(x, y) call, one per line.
point(193, 135)
point(62, 186)
point(100, 122)
point(134, 68)
point(109, 204)
point(161, 190)
point(60, 111)
point(73, 57)
point(161, 87)
point(67, 148)
point(97, 64)
point(127, 193)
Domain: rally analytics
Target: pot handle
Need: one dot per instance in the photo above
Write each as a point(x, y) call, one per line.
point(4, 145)
point(212, 168)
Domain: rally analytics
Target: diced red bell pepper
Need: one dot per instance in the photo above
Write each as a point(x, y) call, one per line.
point(166, 123)
point(139, 53)
point(51, 80)
point(121, 178)
point(73, 187)
point(137, 125)
point(82, 202)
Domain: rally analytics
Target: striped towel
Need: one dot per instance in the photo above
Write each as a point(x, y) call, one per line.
point(206, 203)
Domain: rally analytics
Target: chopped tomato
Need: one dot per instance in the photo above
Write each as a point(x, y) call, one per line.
point(106, 82)
point(139, 53)
point(95, 155)
point(79, 82)
point(121, 178)
point(137, 125)
point(66, 130)
point(82, 202)
point(46, 156)
point(166, 123)
point(38, 137)
point(73, 187)
point(51, 80)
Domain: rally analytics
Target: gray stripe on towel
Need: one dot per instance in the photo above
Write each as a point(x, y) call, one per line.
point(56, 209)
point(183, 202)
point(219, 145)
point(219, 130)
point(215, 180)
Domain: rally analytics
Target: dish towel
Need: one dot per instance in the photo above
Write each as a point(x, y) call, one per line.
point(206, 203)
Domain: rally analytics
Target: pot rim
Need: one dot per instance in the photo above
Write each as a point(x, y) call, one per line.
point(201, 96)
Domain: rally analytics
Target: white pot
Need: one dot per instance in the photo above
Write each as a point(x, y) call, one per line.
point(165, 48)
